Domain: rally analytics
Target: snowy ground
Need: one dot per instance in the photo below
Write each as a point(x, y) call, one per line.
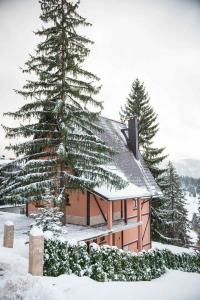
point(174, 285)
point(17, 284)
point(192, 205)
point(172, 248)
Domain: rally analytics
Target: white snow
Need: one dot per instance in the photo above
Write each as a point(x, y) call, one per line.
point(9, 223)
point(192, 205)
point(173, 285)
point(4, 161)
point(128, 192)
point(11, 205)
point(78, 232)
point(146, 179)
point(36, 231)
point(21, 222)
point(174, 249)
point(70, 231)
point(17, 284)
point(48, 235)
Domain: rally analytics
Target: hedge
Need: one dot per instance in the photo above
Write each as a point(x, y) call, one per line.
point(112, 264)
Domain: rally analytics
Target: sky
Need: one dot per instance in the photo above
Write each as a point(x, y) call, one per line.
point(157, 41)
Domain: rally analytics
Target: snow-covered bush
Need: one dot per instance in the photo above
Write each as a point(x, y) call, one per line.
point(112, 264)
point(49, 219)
point(188, 262)
point(56, 257)
point(96, 263)
point(79, 260)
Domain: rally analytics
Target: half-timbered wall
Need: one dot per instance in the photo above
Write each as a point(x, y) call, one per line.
point(85, 208)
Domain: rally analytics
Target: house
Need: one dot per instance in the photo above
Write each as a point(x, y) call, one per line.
point(116, 217)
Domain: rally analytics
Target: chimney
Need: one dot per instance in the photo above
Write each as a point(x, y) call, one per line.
point(133, 136)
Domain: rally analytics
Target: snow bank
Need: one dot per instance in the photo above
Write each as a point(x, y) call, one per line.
point(29, 288)
point(173, 249)
point(173, 285)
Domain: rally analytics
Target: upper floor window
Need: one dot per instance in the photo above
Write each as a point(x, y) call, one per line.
point(134, 204)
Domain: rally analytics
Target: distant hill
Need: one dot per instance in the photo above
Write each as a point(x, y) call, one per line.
point(188, 167)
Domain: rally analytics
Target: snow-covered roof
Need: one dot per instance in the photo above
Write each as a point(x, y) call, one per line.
point(130, 191)
point(124, 163)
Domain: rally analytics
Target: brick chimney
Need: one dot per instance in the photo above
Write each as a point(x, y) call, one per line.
point(133, 136)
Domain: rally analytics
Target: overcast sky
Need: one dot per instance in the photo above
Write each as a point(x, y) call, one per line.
point(157, 41)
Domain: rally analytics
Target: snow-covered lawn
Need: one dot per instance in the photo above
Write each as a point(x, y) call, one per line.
point(172, 248)
point(17, 284)
point(174, 285)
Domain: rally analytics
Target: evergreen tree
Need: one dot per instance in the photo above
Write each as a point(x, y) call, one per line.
point(138, 104)
point(172, 221)
point(61, 150)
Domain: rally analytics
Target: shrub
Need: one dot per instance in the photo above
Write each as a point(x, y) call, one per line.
point(56, 257)
point(112, 264)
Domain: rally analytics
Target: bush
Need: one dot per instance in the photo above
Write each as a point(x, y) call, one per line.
point(56, 257)
point(112, 264)
point(79, 260)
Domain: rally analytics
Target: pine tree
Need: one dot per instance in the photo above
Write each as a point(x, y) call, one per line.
point(172, 222)
point(138, 104)
point(61, 149)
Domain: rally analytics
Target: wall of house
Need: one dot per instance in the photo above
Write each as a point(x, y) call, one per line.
point(146, 224)
point(128, 239)
point(77, 209)
point(33, 208)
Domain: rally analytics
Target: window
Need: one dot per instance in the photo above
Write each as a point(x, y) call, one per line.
point(134, 204)
point(67, 200)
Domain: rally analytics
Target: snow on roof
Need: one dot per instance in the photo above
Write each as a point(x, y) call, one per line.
point(129, 191)
point(137, 174)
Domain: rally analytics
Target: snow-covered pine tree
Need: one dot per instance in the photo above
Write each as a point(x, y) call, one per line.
point(172, 222)
point(61, 150)
point(138, 103)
